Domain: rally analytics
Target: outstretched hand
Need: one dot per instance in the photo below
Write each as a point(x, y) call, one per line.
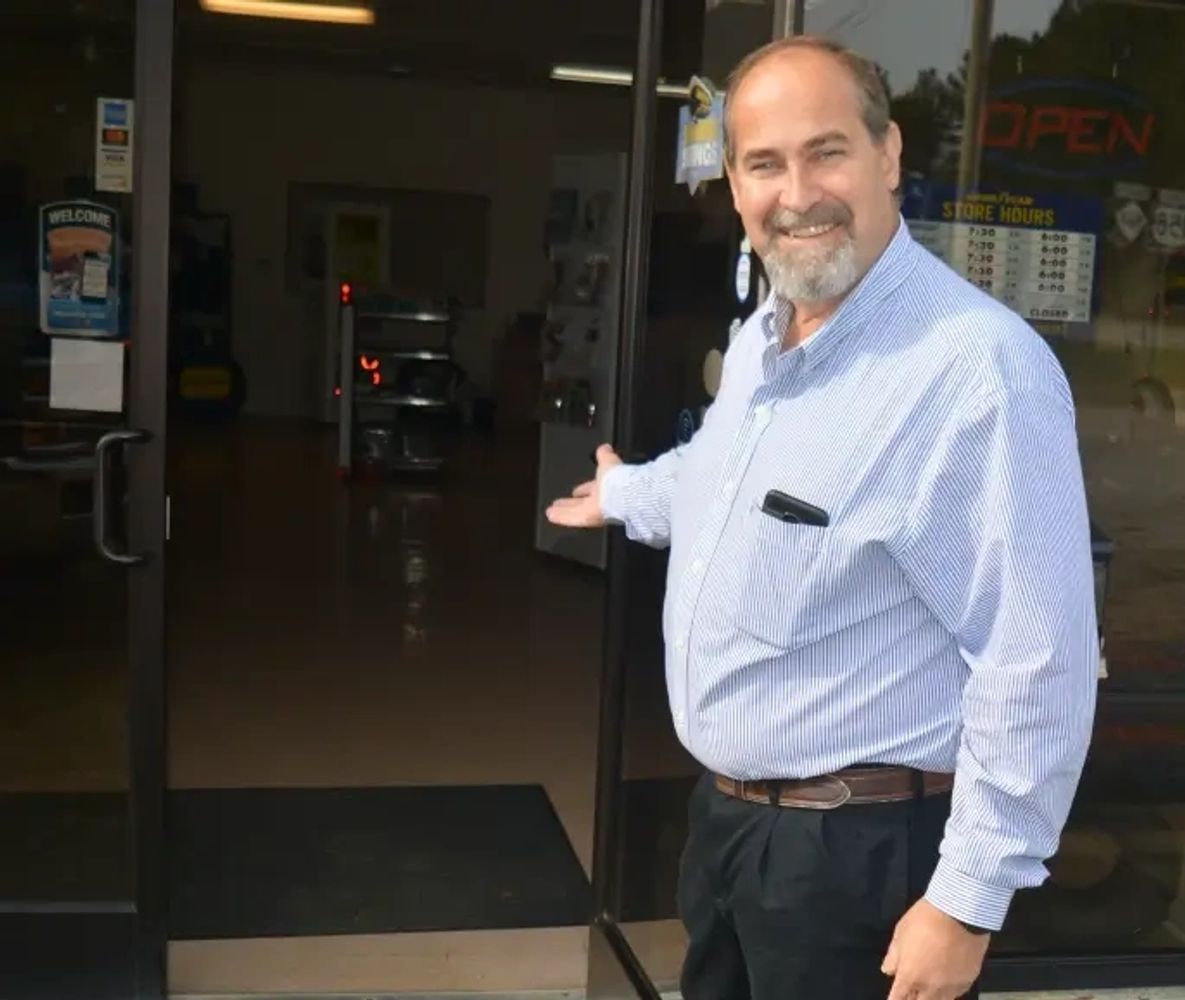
point(583, 508)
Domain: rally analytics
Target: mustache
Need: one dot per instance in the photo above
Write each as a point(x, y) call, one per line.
point(783, 220)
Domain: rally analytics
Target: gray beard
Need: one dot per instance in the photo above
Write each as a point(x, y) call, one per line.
point(813, 277)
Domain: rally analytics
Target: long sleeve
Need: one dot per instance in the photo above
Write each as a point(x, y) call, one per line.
point(998, 546)
point(639, 497)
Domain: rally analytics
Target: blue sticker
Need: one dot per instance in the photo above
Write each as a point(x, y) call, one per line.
point(115, 113)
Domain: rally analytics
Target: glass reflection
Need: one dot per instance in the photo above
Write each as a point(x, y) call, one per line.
point(1052, 119)
point(1074, 213)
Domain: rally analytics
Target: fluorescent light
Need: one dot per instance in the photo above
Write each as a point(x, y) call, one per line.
point(332, 13)
point(612, 77)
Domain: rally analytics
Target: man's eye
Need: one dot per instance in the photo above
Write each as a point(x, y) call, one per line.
point(829, 154)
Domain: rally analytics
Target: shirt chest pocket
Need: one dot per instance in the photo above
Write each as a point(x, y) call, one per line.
point(778, 577)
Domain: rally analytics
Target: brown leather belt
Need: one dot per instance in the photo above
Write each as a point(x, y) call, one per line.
point(853, 785)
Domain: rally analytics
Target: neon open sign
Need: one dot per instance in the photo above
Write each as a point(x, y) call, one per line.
point(1067, 128)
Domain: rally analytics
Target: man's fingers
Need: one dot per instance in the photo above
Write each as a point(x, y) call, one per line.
point(607, 456)
point(563, 512)
point(907, 987)
point(889, 965)
point(584, 489)
point(569, 513)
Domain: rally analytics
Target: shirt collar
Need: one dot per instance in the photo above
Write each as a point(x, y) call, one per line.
point(890, 269)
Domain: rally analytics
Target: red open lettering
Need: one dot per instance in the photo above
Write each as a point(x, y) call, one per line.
point(1050, 120)
point(1120, 126)
point(1013, 117)
point(1083, 131)
point(1081, 128)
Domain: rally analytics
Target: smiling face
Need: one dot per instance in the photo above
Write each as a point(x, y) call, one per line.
point(814, 188)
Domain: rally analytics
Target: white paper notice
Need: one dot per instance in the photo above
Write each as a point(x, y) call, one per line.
point(86, 375)
point(94, 279)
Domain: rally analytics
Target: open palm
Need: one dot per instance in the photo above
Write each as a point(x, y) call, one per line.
point(583, 508)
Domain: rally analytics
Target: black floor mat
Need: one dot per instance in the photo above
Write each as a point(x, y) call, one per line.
point(270, 862)
point(48, 956)
point(65, 847)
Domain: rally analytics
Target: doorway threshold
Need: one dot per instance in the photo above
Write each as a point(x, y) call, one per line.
point(1166, 993)
point(532, 995)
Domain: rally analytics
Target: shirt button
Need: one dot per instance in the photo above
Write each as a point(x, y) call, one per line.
point(729, 489)
point(680, 644)
point(762, 415)
point(697, 566)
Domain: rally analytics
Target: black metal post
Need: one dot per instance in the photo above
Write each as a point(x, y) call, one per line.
point(975, 95)
point(789, 18)
point(636, 258)
point(147, 521)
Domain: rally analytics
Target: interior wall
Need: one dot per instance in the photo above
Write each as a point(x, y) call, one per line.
point(244, 135)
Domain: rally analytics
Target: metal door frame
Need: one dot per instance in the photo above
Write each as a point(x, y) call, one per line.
point(147, 500)
point(613, 967)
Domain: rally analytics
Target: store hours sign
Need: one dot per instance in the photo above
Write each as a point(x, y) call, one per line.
point(1036, 253)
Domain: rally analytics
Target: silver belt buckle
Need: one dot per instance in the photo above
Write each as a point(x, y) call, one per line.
point(842, 793)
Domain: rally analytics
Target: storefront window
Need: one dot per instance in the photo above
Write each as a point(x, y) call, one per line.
point(1044, 161)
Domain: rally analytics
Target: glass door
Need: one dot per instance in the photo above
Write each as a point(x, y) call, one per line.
point(84, 140)
point(689, 279)
point(1043, 129)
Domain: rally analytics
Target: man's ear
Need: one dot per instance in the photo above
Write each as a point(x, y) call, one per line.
point(891, 156)
point(732, 183)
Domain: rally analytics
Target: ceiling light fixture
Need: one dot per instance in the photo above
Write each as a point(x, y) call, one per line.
point(612, 77)
point(293, 10)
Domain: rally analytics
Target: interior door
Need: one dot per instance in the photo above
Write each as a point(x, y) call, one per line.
point(357, 250)
point(84, 195)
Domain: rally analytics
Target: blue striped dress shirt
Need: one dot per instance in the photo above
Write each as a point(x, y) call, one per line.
point(944, 620)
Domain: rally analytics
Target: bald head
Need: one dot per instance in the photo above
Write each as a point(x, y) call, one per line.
point(864, 77)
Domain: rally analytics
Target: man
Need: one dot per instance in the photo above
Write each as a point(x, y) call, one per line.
point(879, 577)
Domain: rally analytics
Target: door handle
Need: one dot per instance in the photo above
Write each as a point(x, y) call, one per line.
point(107, 444)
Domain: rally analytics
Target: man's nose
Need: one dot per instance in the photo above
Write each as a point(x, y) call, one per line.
point(797, 192)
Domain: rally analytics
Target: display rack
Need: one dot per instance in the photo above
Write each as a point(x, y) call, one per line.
point(583, 235)
point(397, 383)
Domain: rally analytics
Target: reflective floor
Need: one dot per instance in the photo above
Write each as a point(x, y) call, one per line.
point(323, 634)
point(372, 635)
